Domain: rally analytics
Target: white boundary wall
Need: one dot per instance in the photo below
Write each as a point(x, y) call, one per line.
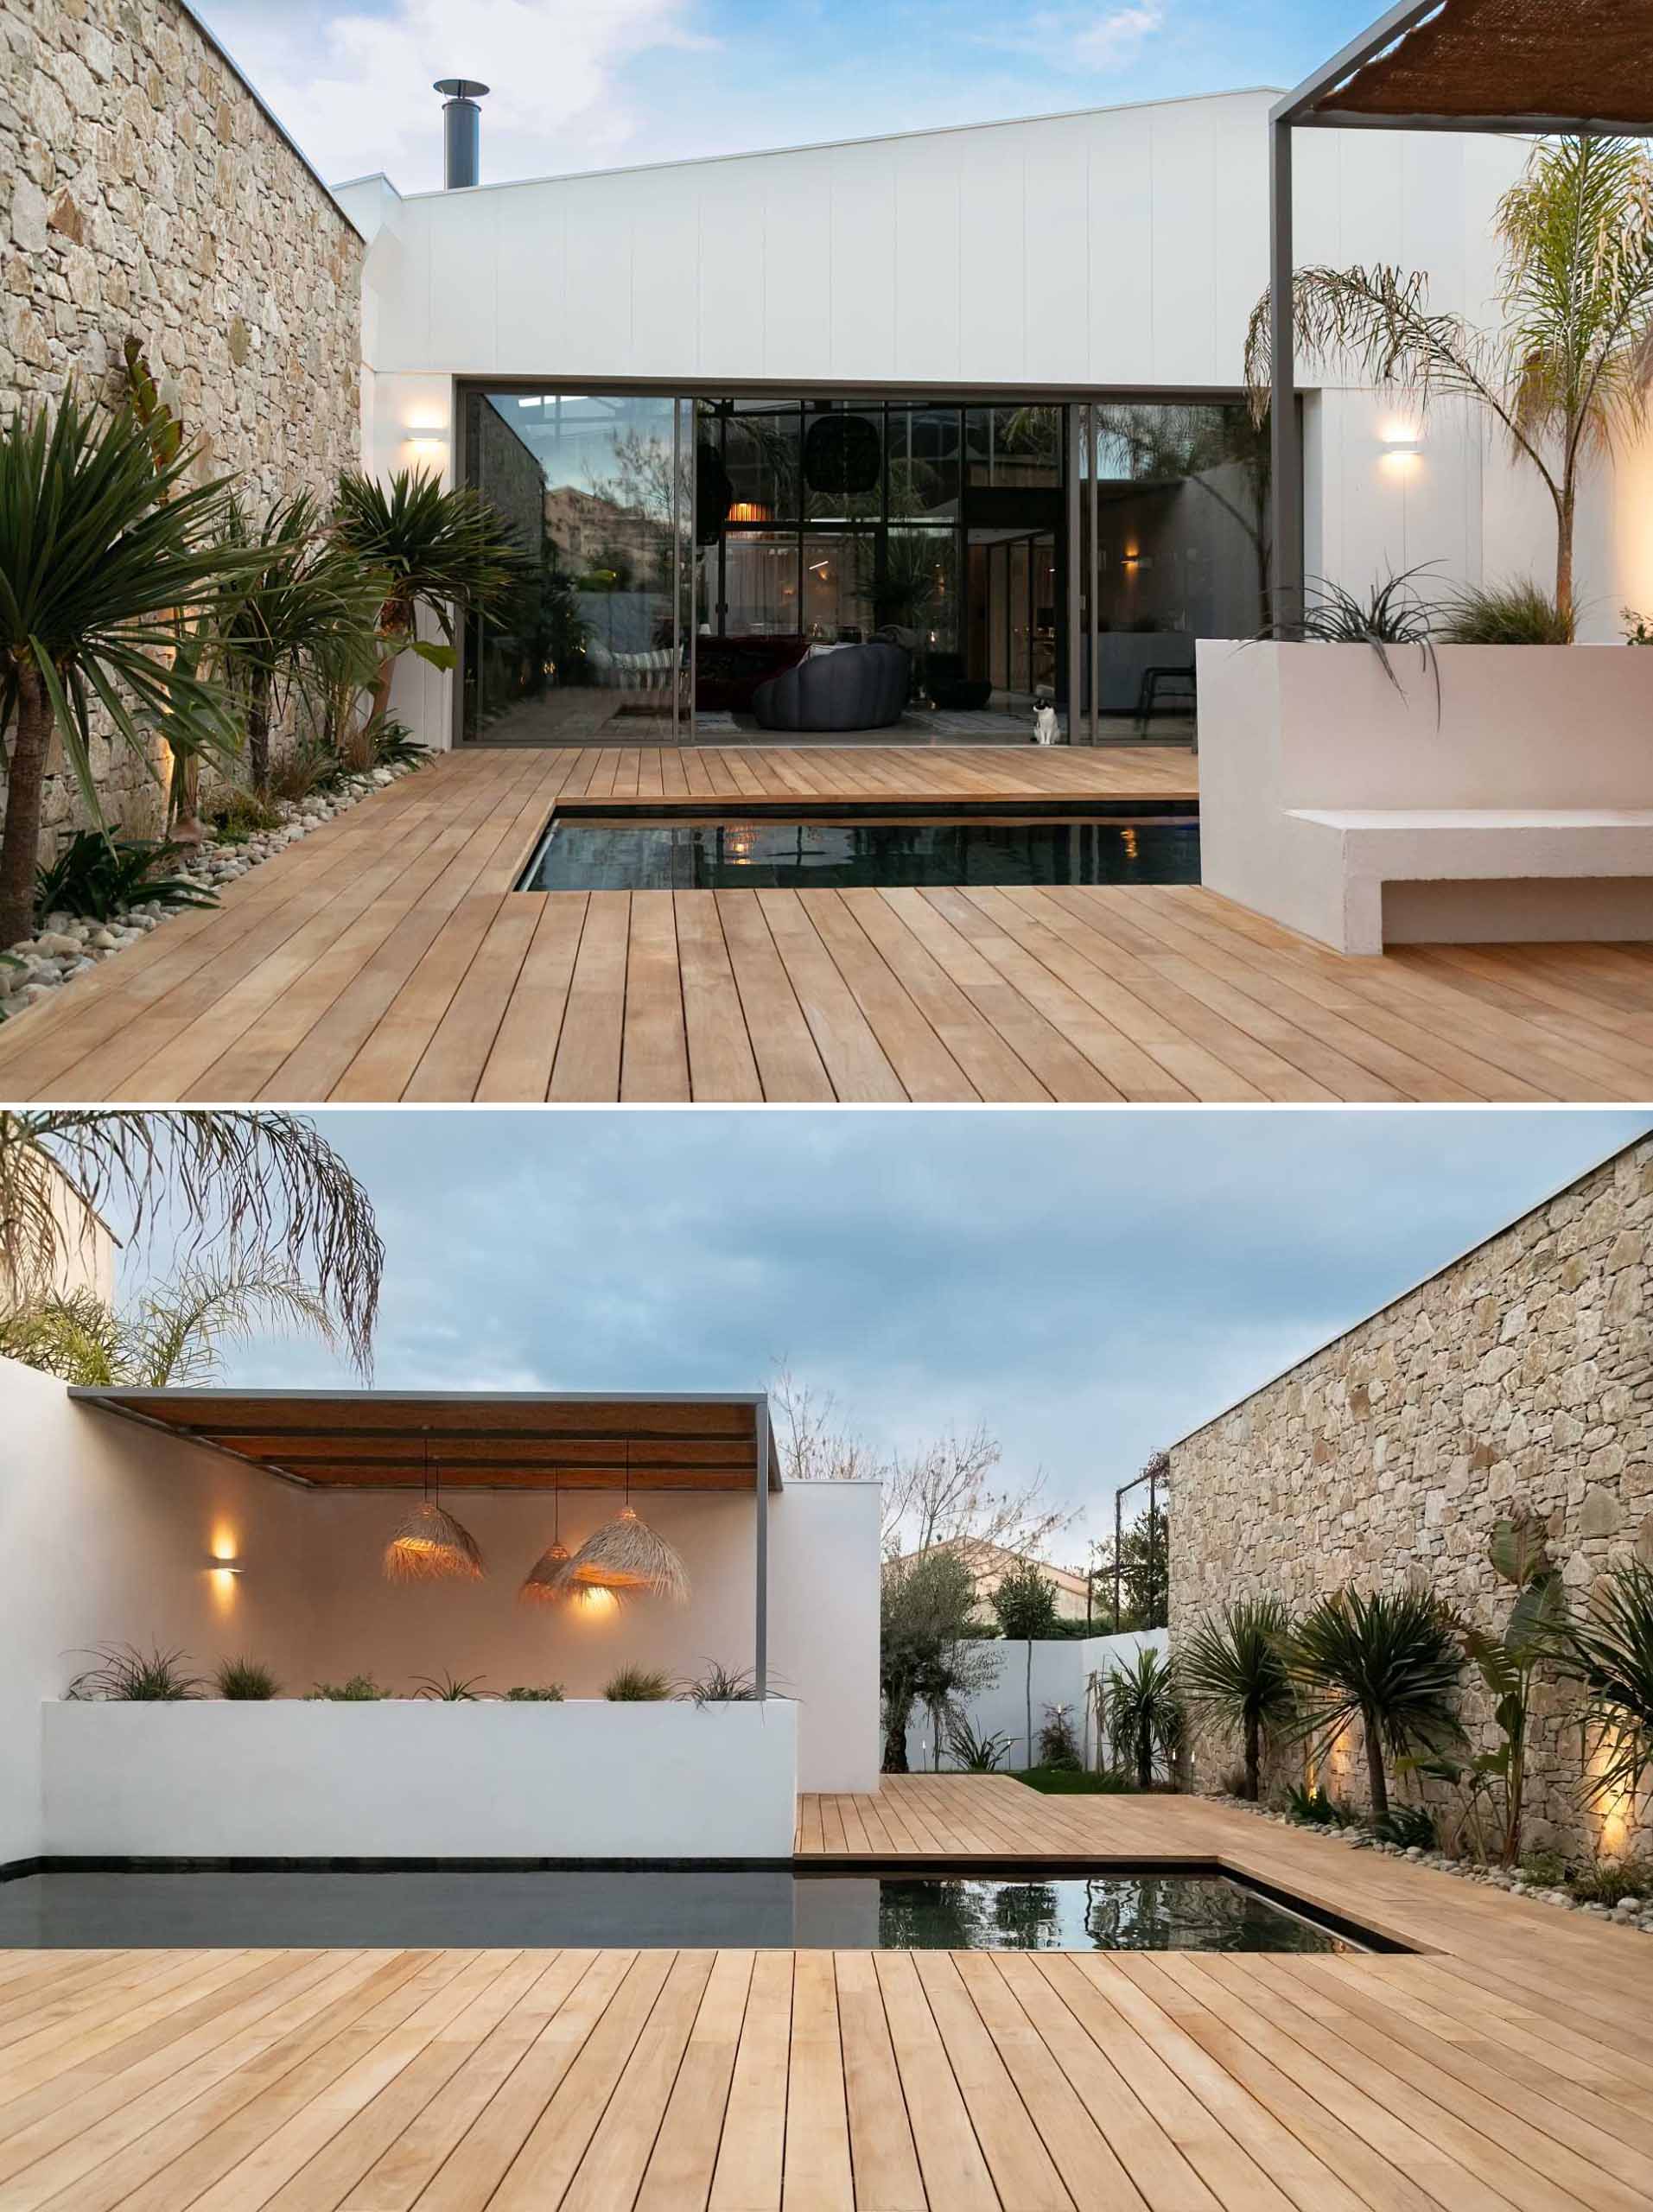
point(107, 1531)
point(1062, 1667)
point(411, 1779)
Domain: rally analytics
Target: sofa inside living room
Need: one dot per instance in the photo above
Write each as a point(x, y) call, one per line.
point(844, 687)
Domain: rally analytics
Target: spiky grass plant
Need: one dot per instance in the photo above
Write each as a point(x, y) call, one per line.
point(1610, 1651)
point(450, 1689)
point(124, 1672)
point(245, 1681)
point(1391, 1661)
point(720, 1685)
point(535, 1694)
point(1516, 613)
point(636, 1685)
point(1234, 1676)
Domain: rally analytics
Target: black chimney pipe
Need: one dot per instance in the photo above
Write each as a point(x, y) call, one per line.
point(462, 130)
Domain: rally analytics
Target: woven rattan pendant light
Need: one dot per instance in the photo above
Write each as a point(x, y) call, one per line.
point(627, 1558)
point(547, 1579)
point(428, 1544)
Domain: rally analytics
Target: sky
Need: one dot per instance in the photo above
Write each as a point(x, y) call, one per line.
point(603, 84)
point(1090, 1285)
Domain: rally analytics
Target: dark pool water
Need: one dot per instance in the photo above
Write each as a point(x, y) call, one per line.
point(689, 855)
point(697, 1908)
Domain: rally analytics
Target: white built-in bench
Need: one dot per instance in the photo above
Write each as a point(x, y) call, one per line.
point(1488, 794)
point(1399, 875)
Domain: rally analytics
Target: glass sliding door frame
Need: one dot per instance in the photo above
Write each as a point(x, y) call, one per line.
point(1077, 502)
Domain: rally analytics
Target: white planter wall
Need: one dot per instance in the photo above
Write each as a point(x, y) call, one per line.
point(406, 1779)
point(107, 1530)
point(1290, 730)
point(1062, 1666)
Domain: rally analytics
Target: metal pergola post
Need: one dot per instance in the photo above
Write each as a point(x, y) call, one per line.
point(760, 1638)
point(1285, 445)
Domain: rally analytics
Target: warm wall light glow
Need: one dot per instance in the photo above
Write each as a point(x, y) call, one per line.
point(1402, 448)
point(597, 1603)
point(434, 450)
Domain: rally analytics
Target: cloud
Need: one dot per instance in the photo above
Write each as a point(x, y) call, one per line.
point(1090, 1285)
point(1099, 39)
point(354, 87)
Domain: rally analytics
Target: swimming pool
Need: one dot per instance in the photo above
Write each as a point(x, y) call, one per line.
point(824, 851)
point(969, 1908)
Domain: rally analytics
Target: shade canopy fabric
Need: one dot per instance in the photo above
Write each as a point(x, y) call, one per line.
point(476, 1441)
point(1550, 64)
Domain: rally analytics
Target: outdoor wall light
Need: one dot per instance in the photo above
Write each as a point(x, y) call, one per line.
point(1402, 452)
point(216, 1566)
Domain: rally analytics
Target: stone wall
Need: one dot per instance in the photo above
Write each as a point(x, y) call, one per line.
point(1521, 1375)
point(144, 192)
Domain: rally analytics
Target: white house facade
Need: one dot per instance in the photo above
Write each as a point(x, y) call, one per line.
point(978, 390)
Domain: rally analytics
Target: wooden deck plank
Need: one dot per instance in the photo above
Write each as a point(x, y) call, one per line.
point(1506, 2063)
point(387, 954)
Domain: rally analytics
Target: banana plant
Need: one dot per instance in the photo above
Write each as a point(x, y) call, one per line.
point(1494, 1782)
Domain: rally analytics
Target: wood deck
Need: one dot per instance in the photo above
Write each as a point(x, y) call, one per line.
point(387, 957)
point(1511, 2066)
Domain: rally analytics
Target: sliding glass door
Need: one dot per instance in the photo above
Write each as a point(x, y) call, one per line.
point(598, 489)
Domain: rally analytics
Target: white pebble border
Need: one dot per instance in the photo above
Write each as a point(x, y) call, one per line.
point(67, 945)
point(1629, 1912)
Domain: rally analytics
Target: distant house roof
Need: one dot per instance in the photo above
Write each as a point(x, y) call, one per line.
point(983, 1558)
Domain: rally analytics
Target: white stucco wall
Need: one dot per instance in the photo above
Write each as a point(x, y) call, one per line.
point(105, 1534)
point(107, 1530)
point(1062, 1667)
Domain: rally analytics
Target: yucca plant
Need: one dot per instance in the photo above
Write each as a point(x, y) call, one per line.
point(98, 549)
point(445, 553)
point(1566, 377)
point(305, 620)
point(1610, 1651)
point(245, 1682)
point(1233, 1673)
point(1144, 1714)
point(976, 1752)
point(1389, 1660)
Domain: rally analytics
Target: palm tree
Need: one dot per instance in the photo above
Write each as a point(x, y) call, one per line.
point(1391, 1663)
point(447, 552)
point(1144, 1714)
point(1566, 376)
point(307, 619)
point(1233, 1673)
point(171, 1335)
point(265, 1185)
point(98, 546)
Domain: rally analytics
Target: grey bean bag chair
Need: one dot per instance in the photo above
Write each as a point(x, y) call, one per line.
point(857, 687)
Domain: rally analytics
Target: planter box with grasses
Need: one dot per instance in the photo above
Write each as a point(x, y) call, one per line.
point(420, 1778)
